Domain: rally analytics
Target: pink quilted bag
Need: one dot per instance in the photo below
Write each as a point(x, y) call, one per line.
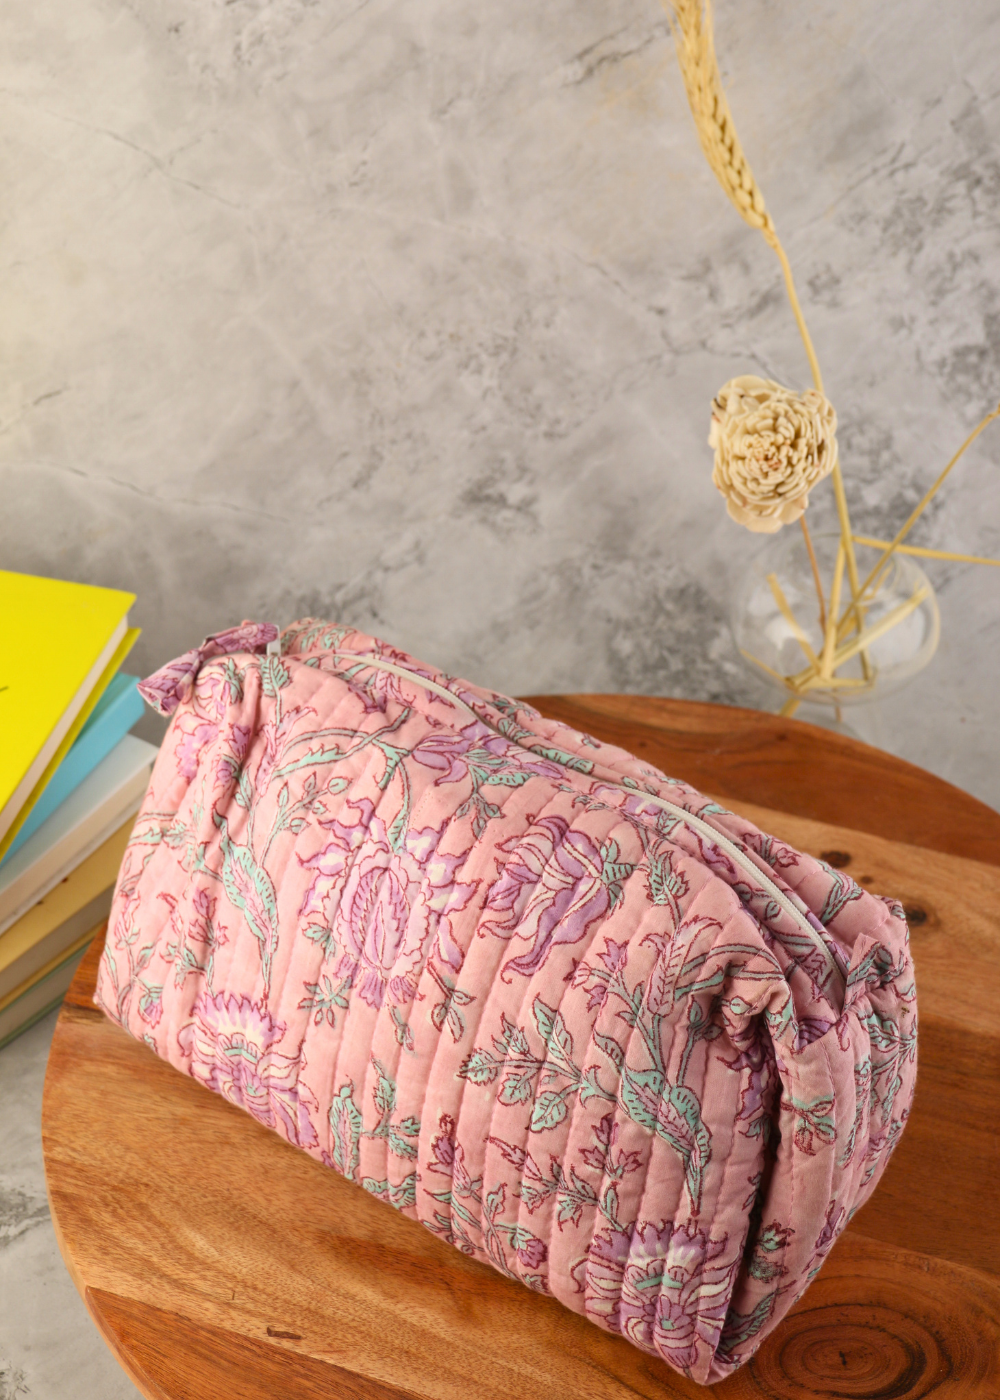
point(584, 1024)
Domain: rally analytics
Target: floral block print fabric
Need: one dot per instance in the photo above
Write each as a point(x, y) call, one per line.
point(457, 952)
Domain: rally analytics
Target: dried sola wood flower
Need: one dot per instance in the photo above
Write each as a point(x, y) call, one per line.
point(771, 448)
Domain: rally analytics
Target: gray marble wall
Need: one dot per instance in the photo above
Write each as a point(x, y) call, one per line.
point(410, 314)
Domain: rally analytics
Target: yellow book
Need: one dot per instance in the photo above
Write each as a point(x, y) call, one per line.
point(69, 738)
point(58, 642)
point(55, 922)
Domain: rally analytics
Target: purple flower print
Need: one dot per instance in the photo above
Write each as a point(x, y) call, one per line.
point(692, 1307)
point(478, 753)
point(446, 754)
point(811, 1028)
point(830, 1229)
point(323, 895)
point(614, 958)
point(202, 915)
point(203, 723)
point(532, 1252)
point(601, 1156)
point(443, 1147)
point(550, 891)
point(237, 743)
point(275, 736)
point(757, 1059)
point(664, 1286)
point(171, 684)
point(192, 734)
point(231, 1044)
point(386, 907)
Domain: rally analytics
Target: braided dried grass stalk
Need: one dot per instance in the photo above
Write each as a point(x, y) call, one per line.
point(692, 28)
point(691, 22)
point(694, 40)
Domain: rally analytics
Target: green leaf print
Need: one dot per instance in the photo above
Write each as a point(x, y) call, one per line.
point(274, 675)
point(480, 1067)
point(516, 1088)
point(250, 890)
point(384, 1093)
point(243, 796)
point(740, 1327)
point(666, 887)
point(611, 1048)
point(814, 1122)
point(614, 872)
point(402, 1195)
point(552, 1029)
point(565, 760)
point(233, 680)
point(446, 1012)
point(395, 1134)
point(399, 1146)
point(549, 1109)
point(345, 1127)
point(635, 1104)
point(692, 1141)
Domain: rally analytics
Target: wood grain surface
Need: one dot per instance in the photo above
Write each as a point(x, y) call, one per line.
point(218, 1261)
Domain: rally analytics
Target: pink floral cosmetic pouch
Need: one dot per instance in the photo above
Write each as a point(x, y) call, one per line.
point(586, 1025)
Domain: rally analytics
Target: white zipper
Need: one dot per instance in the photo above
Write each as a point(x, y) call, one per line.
point(698, 824)
point(744, 861)
point(379, 665)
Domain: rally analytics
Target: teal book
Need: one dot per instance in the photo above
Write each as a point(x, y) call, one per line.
point(119, 708)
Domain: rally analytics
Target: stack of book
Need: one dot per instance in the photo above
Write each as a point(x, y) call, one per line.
point(71, 781)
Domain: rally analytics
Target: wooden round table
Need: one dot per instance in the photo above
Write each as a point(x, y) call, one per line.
point(222, 1264)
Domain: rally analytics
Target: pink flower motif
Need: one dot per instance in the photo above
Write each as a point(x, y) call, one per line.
point(231, 1045)
point(666, 1287)
point(831, 1228)
point(549, 891)
point(275, 737)
point(614, 955)
point(237, 742)
point(201, 926)
point(445, 754)
point(481, 753)
point(202, 724)
point(386, 907)
point(532, 1252)
point(191, 735)
point(756, 1057)
point(150, 1003)
point(443, 1147)
point(322, 897)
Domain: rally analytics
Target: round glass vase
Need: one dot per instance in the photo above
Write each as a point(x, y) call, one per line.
point(768, 642)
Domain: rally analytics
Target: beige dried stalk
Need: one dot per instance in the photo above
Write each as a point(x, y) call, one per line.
point(691, 22)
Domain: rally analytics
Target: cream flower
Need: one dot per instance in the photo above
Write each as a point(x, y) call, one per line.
point(771, 448)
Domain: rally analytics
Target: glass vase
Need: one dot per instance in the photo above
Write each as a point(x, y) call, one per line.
point(768, 642)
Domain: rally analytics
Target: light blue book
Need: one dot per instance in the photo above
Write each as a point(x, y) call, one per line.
point(114, 715)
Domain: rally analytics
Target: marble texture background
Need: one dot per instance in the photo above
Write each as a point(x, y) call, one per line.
point(410, 314)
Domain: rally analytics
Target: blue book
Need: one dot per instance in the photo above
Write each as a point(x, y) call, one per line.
point(114, 715)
